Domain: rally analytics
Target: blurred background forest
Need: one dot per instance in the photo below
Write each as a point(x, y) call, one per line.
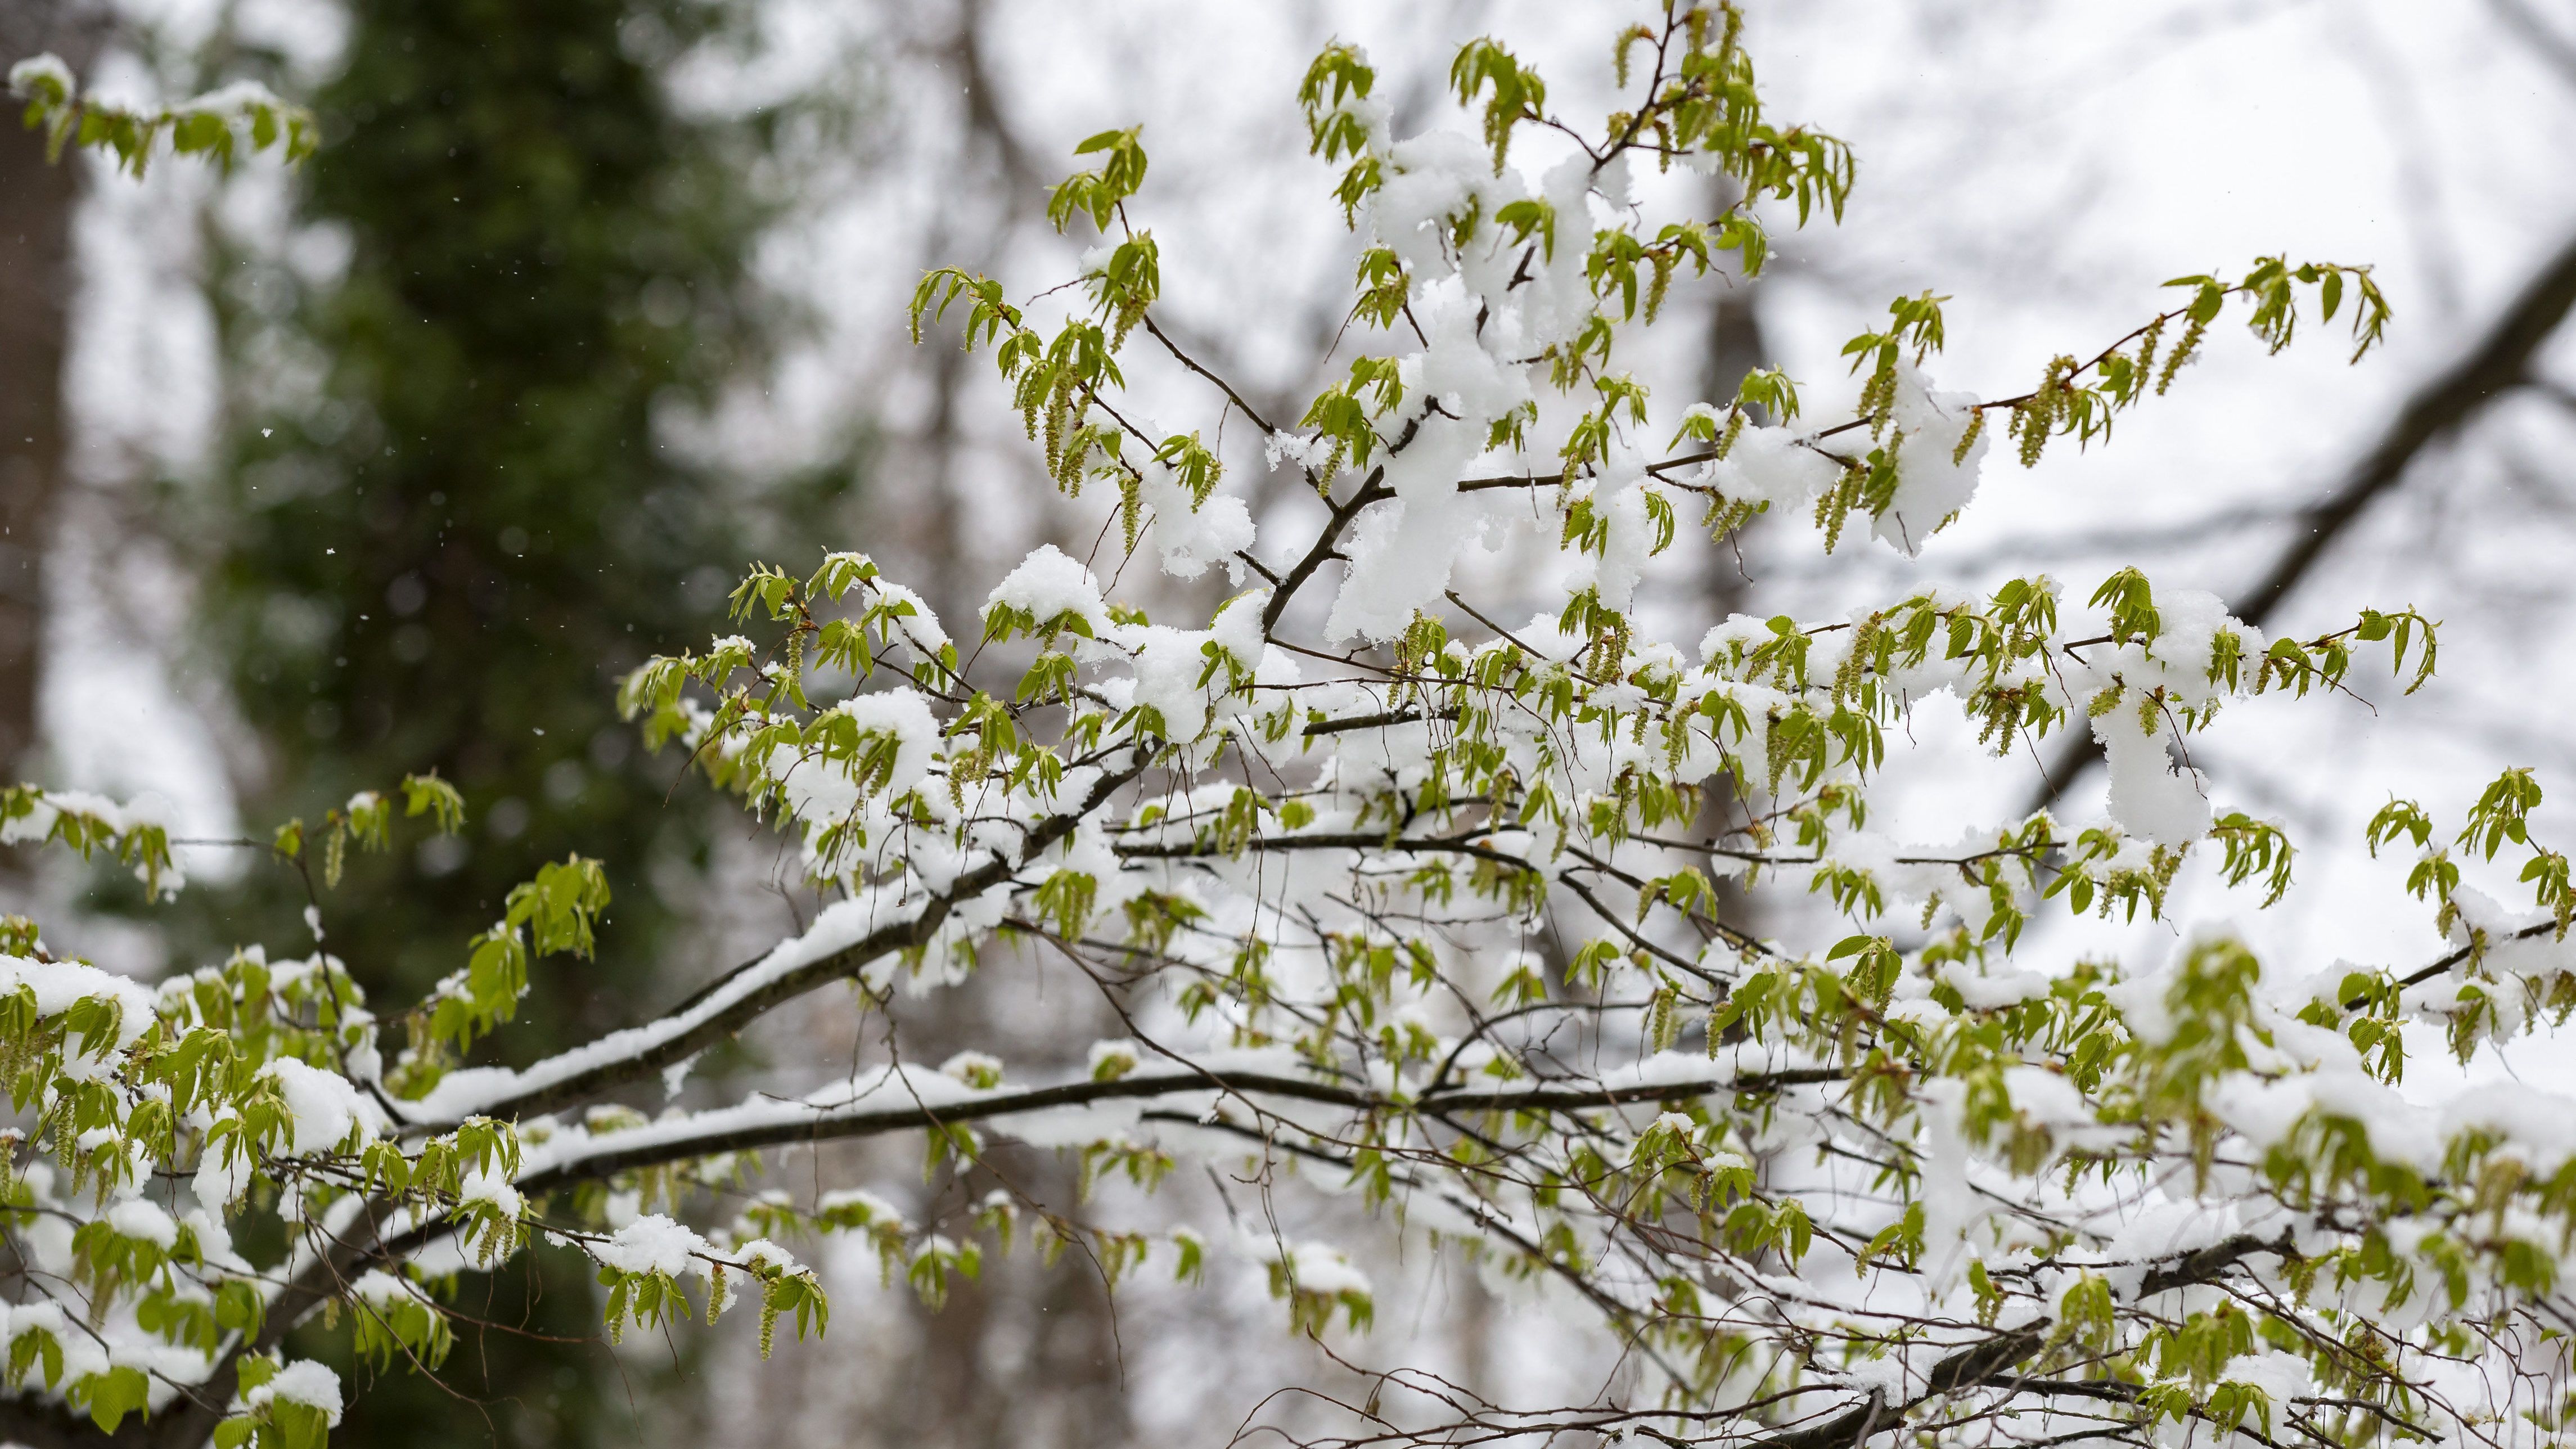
point(397, 460)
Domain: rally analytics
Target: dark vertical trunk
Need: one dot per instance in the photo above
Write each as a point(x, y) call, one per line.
point(1027, 1355)
point(1735, 346)
point(1732, 347)
point(36, 200)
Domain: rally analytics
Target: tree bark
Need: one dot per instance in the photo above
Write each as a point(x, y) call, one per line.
point(36, 280)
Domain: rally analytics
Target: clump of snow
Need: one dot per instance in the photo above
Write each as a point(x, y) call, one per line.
point(859, 1205)
point(1403, 551)
point(1995, 987)
point(650, 1244)
point(974, 1068)
point(40, 70)
point(762, 1253)
point(59, 985)
point(1323, 1269)
point(380, 1289)
point(1773, 466)
point(2153, 796)
point(1949, 1199)
point(2190, 621)
point(1619, 501)
point(1429, 179)
point(676, 1075)
point(304, 1382)
point(2146, 1005)
point(2280, 1376)
point(1049, 584)
point(46, 807)
point(483, 1185)
point(902, 715)
point(235, 99)
point(140, 1219)
point(1305, 453)
point(1189, 534)
point(1930, 487)
point(920, 630)
point(223, 1175)
point(325, 1106)
point(1236, 629)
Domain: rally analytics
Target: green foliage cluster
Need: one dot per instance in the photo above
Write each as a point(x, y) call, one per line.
point(219, 126)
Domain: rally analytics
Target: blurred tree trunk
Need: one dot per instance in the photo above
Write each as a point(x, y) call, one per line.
point(1734, 346)
point(36, 280)
point(1026, 1355)
point(979, 219)
point(441, 549)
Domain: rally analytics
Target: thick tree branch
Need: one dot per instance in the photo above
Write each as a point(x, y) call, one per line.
point(1375, 721)
point(554, 1092)
point(2201, 1265)
point(650, 1148)
point(1374, 490)
point(1326, 840)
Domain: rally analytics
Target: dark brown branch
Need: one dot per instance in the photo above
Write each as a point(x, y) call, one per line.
point(2203, 1264)
point(1370, 492)
point(1192, 364)
point(1337, 840)
point(829, 1126)
point(2427, 972)
point(1373, 721)
point(1551, 480)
